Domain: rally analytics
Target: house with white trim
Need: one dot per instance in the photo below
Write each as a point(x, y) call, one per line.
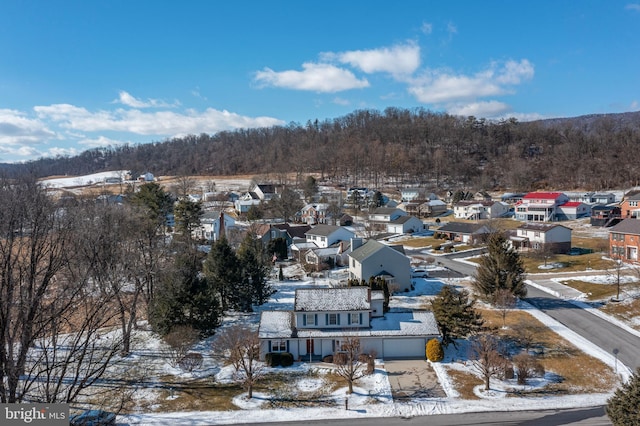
point(478, 210)
point(324, 236)
point(573, 210)
point(209, 228)
point(323, 318)
point(406, 225)
point(540, 206)
point(551, 238)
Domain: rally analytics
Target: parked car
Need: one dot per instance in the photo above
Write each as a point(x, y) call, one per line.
point(419, 273)
point(93, 418)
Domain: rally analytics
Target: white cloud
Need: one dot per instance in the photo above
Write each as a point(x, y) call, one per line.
point(63, 152)
point(166, 123)
point(127, 99)
point(426, 28)
point(397, 60)
point(442, 86)
point(486, 109)
point(341, 101)
point(452, 29)
point(318, 77)
point(100, 141)
point(18, 129)
point(633, 6)
point(634, 105)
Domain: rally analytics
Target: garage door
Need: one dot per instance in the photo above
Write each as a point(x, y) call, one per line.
point(403, 348)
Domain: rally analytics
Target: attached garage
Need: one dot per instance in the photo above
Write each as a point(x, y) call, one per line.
point(403, 348)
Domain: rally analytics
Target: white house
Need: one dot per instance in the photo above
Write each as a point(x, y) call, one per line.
point(324, 236)
point(405, 225)
point(386, 214)
point(573, 210)
point(209, 228)
point(323, 318)
point(477, 210)
point(552, 238)
point(540, 206)
point(374, 259)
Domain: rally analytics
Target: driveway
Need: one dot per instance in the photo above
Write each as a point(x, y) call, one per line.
point(413, 378)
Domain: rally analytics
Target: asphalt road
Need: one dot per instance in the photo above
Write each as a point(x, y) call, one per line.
point(600, 332)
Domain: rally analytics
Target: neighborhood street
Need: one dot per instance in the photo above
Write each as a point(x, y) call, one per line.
point(597, 330)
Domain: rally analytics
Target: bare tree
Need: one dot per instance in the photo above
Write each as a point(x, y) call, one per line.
point(527, 366)
point(351, 363)
point(240, 346)
point(184, 186)
point(504, 300)
point(486, 356)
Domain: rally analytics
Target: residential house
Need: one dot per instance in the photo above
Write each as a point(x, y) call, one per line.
point(605, 216)
point(264, 191)
point(432, 208)
point(415, 193)
point(324, 236)
point(573, 210)
point(512, 197)
point(146, 177)
point(324, 318)
point(373, 259)
point(482, 196)
point(209, 228)
point(540, 206)
point(479, 210)
point(406, 225)
point(465, 232)
point(246, 201)
point(624, 240)
point(386, 214)
point(630, 205)
point(593, 197)
point(315, 213)
point(545, 237)
point(270, 231)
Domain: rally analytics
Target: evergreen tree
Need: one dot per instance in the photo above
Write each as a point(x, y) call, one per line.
point(501, 268)
point(455, 314)
point(255, 266)
point(623, 408)
point(310, 188)
point(187, 215)
point(278, 246)
point(153, 198)
point(223, 274)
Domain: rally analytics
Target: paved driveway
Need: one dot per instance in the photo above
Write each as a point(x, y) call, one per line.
point(413, 378)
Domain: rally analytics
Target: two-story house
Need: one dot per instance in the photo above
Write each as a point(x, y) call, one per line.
point(540, 206)
point(314, 213)
point(551, 238)
point(323, 318)
point(373, 259)
point(324, 236)
point(624, 240)
point(210, 222)
point(386, 214)
point(630, 205)
point(478, 210)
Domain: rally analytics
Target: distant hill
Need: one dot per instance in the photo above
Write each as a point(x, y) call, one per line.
point(394, 147)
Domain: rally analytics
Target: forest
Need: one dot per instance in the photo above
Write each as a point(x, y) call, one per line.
point(395, 147)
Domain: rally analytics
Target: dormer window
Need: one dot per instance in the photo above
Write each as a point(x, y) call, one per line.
point(333, 319)
point(355, 318)
point(310, 319)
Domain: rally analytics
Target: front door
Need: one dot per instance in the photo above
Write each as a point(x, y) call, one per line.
point(309, 346)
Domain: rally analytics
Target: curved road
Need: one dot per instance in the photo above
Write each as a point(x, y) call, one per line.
point(597, 330)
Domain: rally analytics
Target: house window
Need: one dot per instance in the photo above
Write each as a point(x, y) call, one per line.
point(633, 203)
point(333, 319)
point(311, 319)
point(279, 346)
point(355, 318)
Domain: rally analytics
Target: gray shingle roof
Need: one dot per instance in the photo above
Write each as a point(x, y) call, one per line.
point(627, 226)
point(332, 299)
point(322, 230)
point(463, 227)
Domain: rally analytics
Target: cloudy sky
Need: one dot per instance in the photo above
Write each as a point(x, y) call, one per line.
point(76, 75)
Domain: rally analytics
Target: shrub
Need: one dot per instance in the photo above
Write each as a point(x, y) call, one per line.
point(272, 359)
point(340, 358)
point(527, 366)
point(286, 359)
point(328, 359)
point(434, 350)
point(191, 361)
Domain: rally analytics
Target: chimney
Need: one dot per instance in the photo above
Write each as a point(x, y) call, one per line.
point(355, 243)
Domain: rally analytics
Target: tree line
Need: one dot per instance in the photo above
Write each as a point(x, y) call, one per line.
point(394, 147)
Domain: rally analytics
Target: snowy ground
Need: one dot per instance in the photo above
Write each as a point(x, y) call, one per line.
point(372, 397)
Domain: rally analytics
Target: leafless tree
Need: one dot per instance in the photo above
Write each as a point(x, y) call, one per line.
point(240, 346)
point(351, 363)
point(527, 366)
point(504, 300)
point(180, 339)
point(184, 185)
point(486, 356)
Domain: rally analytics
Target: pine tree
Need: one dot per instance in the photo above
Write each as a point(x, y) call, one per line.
point(623, 408)
point(455, 314)
point(222, 271)
point(255, 267)
point(501, 268)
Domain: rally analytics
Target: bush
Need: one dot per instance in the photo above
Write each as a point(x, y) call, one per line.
point(340, 358)
point(191, 361)
point(434, 350)
point(328, 359)
point(272, 359)
point(286, 359)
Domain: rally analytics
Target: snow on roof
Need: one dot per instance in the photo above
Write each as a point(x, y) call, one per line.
point(332, 299)
point(275, 325)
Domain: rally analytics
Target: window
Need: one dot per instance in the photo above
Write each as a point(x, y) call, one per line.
point(633, 203)
point(333, 319)
point(279, 346)
point(355, 318)
point(310, 319)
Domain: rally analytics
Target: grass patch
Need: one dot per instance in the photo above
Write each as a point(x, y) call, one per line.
point(577, 371)
point(464, 383)
point(533, 261)
point(593, 291)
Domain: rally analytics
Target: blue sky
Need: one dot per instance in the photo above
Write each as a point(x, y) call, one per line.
point(76, 75)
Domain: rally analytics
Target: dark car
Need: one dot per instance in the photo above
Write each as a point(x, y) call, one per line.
point(93, 418)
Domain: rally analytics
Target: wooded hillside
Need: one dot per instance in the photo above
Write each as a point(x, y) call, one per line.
point(437, 150)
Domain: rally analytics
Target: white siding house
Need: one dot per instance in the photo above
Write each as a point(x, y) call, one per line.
point(324, 236)
point(323, 318)
point(406, 224)
point(541, 236)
